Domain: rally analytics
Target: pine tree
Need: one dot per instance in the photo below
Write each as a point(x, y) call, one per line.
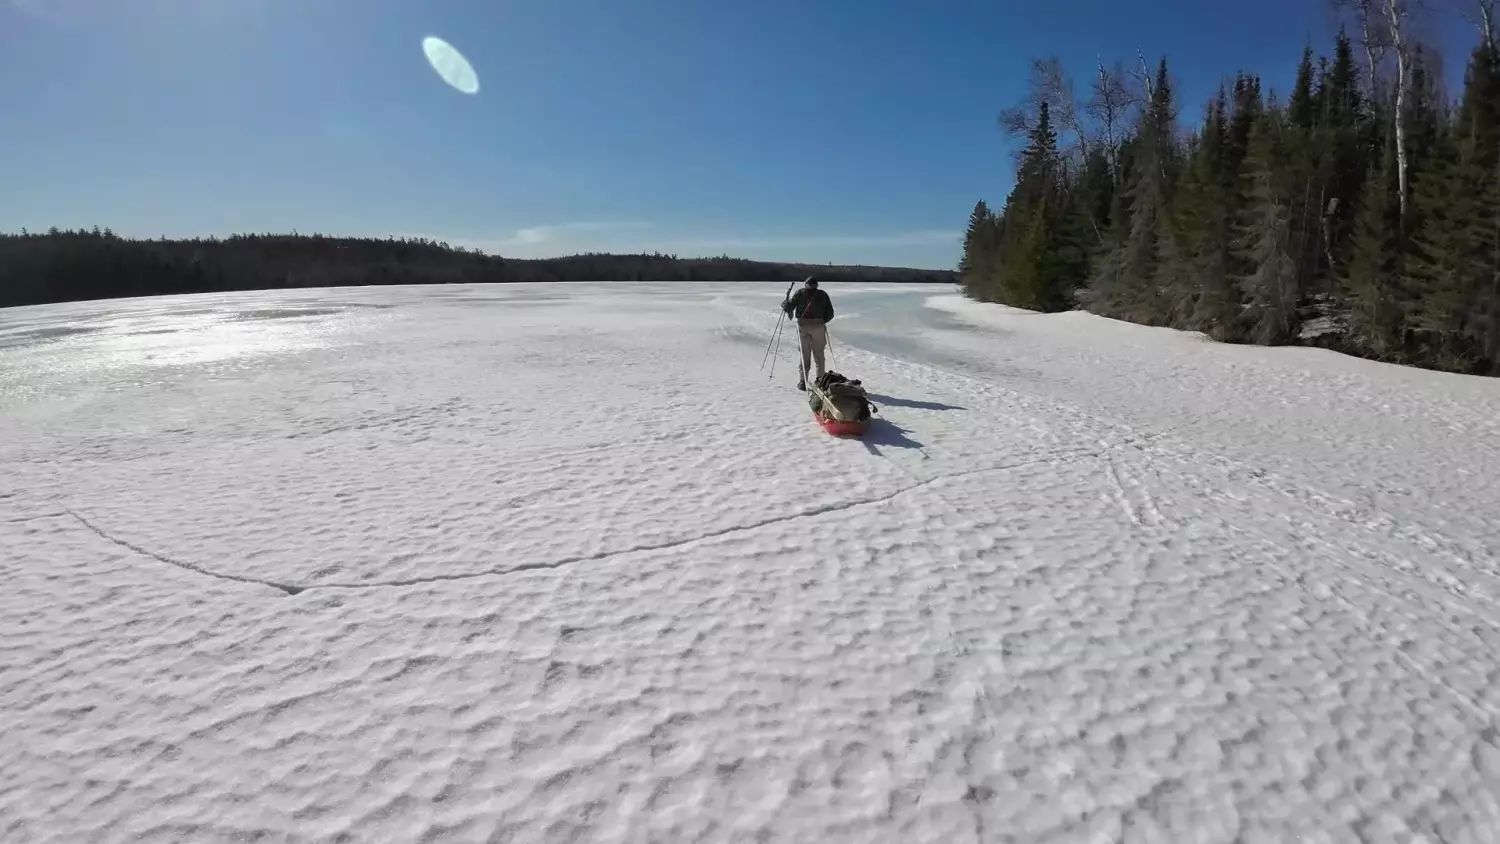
point(1372, 281)
point(979, 222)
point(1269, 214)
point(1093, 198)
point(1264, 241)
point(1443, 249)
point(977, 266)
point(1302, 108)
point(1342, 132)
point(1207, 299)
point(1145, 257)
point(1246, 106)
point(1454, 261)
point(1037, 241)
point(1478, 130)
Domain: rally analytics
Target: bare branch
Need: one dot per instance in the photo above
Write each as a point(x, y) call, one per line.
point(1143, 75)
point(1383, 26)
point(1109, 105)
point(1049, 84)
point(1483, 19)
point(1374, 35)
point(1055, 87)
point(1015, 121)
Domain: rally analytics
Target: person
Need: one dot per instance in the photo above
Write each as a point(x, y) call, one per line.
point(813, 310)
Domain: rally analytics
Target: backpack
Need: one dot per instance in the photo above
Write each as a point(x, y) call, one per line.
point(847, 396)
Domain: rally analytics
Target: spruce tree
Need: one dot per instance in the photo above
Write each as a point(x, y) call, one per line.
point(1372, 282)
point(1036, 242)
point(1478, 129)
point(1342, 133)
point(1269, 214)
point(1208, 300)
point(1138, 271)
point(975, 266)
point(1264, 243)
point(1456, 247)
point(1302, 108)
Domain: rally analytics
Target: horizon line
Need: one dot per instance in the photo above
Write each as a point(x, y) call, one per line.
point(467, 244)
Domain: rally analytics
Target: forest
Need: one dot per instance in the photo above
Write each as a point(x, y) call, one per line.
point(64, 266)
point(1359, 212)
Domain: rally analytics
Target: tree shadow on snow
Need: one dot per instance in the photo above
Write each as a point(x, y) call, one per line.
point(883, 432)
point(912, 403)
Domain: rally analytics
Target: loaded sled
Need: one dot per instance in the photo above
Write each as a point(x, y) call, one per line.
point(840, 405)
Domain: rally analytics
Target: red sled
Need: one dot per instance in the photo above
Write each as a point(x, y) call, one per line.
point(840, 406)
point(841, 427)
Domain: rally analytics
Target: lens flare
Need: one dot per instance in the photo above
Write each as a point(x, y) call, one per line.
point(450, 64)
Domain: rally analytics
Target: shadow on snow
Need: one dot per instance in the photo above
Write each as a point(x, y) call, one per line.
point(912, 403)
point(883, 432)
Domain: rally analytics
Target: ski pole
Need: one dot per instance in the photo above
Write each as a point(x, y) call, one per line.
point(802, 355)
point(775, 357)
point(776, 335)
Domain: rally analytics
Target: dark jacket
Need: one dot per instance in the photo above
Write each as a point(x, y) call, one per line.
point(809, 303)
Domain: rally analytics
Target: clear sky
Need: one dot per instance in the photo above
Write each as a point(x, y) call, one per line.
point(847, 131)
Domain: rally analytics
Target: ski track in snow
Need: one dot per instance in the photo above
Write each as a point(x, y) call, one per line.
point(558, 564)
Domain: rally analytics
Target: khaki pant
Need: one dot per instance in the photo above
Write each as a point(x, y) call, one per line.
point(813, 335)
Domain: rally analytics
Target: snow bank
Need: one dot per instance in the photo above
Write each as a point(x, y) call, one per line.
point(1418, 443)
point(548, 564)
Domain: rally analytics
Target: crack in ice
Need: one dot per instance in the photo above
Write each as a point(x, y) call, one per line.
point(123, 543)
point(296, 589)
point(15, 520)
point(676, 543)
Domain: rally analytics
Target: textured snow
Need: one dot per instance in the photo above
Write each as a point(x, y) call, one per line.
point(558, 563)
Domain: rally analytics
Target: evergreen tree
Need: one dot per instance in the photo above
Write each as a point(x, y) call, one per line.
point(1302, 108)
point(977, 265)
point(1456, 255)
point(979, 219)
point(1342, 132)
point(1139, 287)
point(1036, 237)
point(1264, 242)
point(1372, 281)
point(1270, 214)
point(1207, 298)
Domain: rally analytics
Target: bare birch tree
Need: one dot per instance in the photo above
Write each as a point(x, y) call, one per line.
point(1143, 74)
point(1109, 106)
point(1397, 13)
point(1483, 18)
point(1374, 37)
point(1383, 27)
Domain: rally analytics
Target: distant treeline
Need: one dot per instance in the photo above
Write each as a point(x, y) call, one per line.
point(66, 266)
point(1359, 211)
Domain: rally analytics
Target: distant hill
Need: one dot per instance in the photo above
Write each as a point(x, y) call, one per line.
point(65, 266)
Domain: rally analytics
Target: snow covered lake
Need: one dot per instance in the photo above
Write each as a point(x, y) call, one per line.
point(536, 564)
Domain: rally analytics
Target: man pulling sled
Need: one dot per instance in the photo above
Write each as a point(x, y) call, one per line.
point(839, 404)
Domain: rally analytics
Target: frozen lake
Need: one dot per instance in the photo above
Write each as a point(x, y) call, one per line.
point(559, 563)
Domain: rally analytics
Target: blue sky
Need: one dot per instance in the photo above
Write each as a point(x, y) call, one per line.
point(858, 131)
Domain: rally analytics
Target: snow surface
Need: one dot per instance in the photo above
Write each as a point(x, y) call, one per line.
point(559, 563)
